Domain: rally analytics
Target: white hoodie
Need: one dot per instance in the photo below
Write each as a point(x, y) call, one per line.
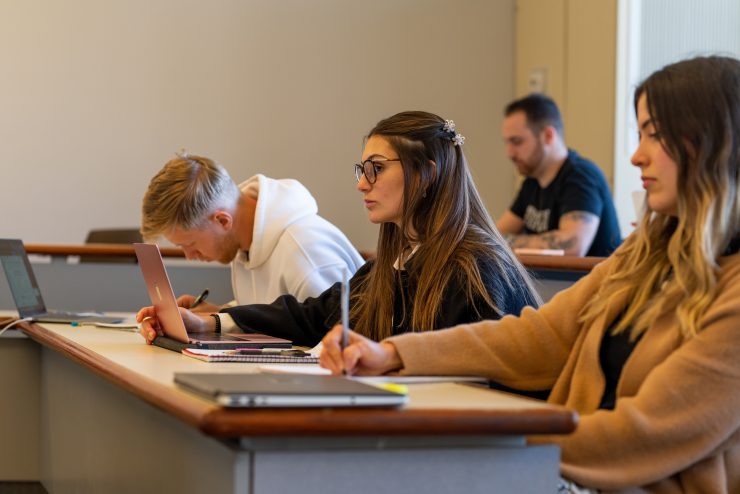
point(294, 250)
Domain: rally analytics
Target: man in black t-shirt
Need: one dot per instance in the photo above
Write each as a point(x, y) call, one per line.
point(564, 202)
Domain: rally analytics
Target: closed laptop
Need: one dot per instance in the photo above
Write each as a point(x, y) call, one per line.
point(287, 390)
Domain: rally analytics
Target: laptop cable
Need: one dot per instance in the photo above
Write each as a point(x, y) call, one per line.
point(13, 323)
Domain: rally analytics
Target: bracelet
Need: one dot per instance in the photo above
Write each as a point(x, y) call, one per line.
point(218, 322)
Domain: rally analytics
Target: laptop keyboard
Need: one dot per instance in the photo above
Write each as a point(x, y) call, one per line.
point(213, 337)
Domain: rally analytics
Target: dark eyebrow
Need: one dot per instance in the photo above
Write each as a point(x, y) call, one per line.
point(375, 156)
point(647, 122)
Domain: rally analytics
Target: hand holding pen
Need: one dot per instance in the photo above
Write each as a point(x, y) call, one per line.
point(361, 357)
point(197, 304)
point(200, 298)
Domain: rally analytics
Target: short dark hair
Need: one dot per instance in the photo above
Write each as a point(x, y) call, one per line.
point(541, 111)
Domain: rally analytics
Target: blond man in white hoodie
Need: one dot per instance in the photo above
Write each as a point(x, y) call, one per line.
point(268, 230)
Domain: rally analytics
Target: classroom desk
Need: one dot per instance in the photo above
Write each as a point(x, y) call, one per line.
point(111, 420)
point(555, 273)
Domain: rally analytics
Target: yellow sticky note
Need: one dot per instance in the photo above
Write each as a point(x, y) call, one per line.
point(401, 389)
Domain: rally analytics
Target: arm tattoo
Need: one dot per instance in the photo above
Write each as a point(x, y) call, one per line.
point(583, 216)
point(558, 239)
point(553, 242)
point(547, 240)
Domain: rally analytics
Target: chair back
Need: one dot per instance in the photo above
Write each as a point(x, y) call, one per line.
point(112, 236)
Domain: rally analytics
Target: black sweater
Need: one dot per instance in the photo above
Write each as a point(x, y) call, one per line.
point(306, 323)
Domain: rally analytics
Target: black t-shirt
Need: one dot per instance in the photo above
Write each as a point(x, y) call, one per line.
point(613, 354)
point(579, 186)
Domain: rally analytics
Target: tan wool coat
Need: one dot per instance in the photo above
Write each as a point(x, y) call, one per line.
point(674, 428)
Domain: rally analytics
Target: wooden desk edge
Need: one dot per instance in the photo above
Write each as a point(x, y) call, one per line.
point(229, 423)
point(560, 263)
point(389, 422)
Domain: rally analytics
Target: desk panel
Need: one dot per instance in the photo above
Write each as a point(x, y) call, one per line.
point(19, 412)
point(110, 416)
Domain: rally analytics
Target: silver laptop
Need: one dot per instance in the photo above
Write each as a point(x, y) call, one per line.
point(26, 292)
point(176, 336)
point(286, 390)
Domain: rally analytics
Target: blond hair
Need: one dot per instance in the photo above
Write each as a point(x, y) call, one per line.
point(184, 193)
point(670, 263)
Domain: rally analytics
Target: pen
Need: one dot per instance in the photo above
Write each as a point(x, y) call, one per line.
point(270, 351)
point(344, 302)
point(200, 298)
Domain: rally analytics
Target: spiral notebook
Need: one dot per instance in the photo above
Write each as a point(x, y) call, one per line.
point(208, 355)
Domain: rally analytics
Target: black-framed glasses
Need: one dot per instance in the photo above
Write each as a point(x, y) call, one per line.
point(370, 169)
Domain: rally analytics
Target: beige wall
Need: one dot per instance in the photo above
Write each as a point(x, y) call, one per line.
point(97, 95)
point(575, 42)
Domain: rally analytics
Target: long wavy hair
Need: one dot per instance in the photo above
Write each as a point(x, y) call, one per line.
point(695, 105)
point(444, 219)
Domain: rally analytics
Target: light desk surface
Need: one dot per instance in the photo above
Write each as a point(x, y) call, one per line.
point(434, 408)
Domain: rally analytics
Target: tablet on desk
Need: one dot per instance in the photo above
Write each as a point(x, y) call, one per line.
point(286, 390)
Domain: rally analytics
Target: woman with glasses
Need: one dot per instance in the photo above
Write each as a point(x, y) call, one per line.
point(440, 260)
point(645, 347)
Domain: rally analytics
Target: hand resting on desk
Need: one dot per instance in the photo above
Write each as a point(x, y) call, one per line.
point(194, 323)
point(362, 356)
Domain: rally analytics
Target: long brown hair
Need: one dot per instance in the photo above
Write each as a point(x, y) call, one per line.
point(444, 217)
point(695, 105)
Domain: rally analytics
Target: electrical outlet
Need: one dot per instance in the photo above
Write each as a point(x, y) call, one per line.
point(537, 82)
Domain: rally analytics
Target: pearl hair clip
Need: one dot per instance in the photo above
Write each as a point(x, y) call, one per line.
point(449, 127)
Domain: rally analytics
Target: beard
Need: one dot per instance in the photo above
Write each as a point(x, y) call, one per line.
point(228, 251)
point(532, 163)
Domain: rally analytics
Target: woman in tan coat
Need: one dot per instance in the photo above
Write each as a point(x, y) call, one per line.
point(645, 347)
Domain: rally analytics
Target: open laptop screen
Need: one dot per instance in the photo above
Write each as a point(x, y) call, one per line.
point(165, 305)
point(20, 278)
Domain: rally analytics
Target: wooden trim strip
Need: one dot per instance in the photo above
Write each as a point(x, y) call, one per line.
point(374, 422)
point(112, 250)
point(559, 263)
